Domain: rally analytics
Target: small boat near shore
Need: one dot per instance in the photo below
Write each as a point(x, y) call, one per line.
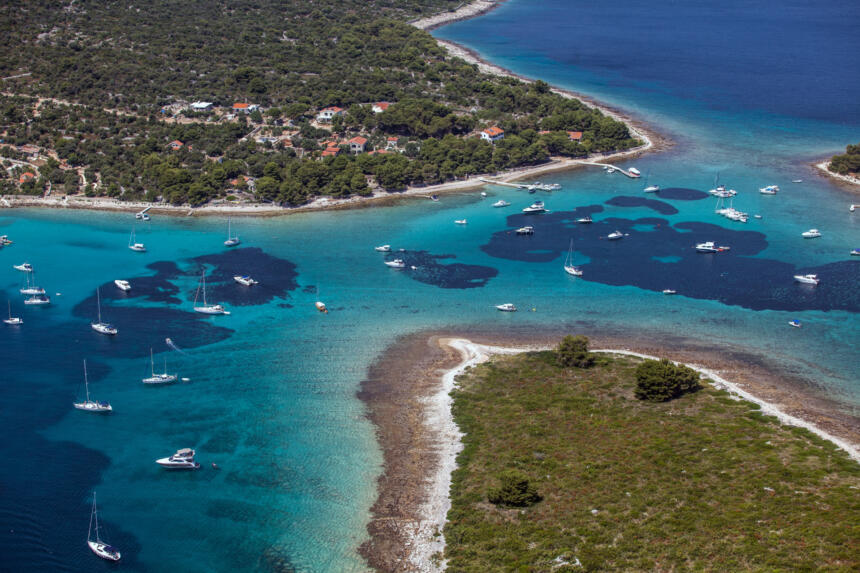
point(769, 190)
point(395, 264)
point(536, 207)
point(669, 291)
point(501, 203)
point(855, 252)
point(795, 323)
point(460, 222)
point(506, 307)
point(122, 284)
point(811, 234)
point(382, 248)
point(134, 245)
point(24, 267)
point(807, 279)
point(634, 172)
point(232, 240)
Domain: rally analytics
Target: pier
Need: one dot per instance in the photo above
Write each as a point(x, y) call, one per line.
point(620, 170)
point(529, 186)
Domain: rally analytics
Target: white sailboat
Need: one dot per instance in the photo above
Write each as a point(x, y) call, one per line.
point(91, 405)
point(99, 547)
point(569, 268)
point(13, 320)
point(231, 240)
point(206, 308)
point(31, 287)
point(134, 245)
point(102, 327)
point(163, 378)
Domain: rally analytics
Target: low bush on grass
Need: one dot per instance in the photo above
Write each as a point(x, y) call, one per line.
point(661, 380)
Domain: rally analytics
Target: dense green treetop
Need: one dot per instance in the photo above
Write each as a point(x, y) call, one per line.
point(848, 162)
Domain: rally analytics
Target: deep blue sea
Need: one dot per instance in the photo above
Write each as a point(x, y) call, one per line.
point(752, 91)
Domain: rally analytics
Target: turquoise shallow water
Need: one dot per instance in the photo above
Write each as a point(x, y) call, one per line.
point(271, 398)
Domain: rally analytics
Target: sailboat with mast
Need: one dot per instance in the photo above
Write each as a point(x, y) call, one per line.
point(91, 405)
point(102, 327)
point(206, 308)
point(163, 378)
point(134, 245)
point(31, 287)
point(231, 240)
point(13, 320)
point(99, 547)
point(569, 267)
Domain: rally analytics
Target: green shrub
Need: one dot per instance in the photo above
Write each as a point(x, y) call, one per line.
point(573, 351)
point(661, 380)
point(515, 491)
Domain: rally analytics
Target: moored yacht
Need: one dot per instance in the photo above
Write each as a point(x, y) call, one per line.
point(615, 235)
point(206, 308)
point(25, 267)
point(669, 291)
point(634, 172)
point(811, 234)
point(245, 280)
point(12, 320)
point(396, 264)
point(163, 378)
point(795, 323)
point(97, 546)
point(651, 189)
point(122, 284)
point(710, 247)
point(460, 221)
point(855, 252)
point(91, 405)
point(383, 248)
point(569, 267)
point(585, 220)
point(501, 203)
point(807, 279)
point(527, 230)
point(99, 326)
point(231, 241)
point(134, 245)
point(31, 287)
point(37, 300)
point(506, 307)
point(536, 207)
point(182, 460)
point(769, 190)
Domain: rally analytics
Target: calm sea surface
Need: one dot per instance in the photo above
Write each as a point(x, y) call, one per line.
point(750, 91)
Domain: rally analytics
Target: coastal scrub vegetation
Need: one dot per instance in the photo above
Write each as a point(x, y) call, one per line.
point(702, 482)
point(514, 490)
point(573, 351)
point(96, 99)
point(662, 380)
point(848, 162)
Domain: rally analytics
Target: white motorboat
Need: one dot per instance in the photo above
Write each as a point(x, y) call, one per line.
point(483, 193)
point(501, 203)
point(134, 245)
point(757, 216)
point(141, 215)
point(31, 287)
point(206, 308)
point(25, 267)
point(460, 221)
point(37, 300)
point(5, 241)
point(807, 279)
point(182, 460)
point(231, 241)
point(710, 247)
point(122, 284)
point(12, 320)
point(320, 306)
point(634, 172)
point(396, 264)
point(811, 234)
point(245, 280)
point(795, 323)
point(91, 405)
point(797, 180)
point(585, 220)
point(536, 207)
point(610, 169)
point(855, 252)
point(615, 235)
point(852, 207)
point(769, 190)
point(569, 267)
point(163, 378)
point(383, 248)
point(99, 547)
point(527, 230)
point(651, 189)
point(669, 291)
point(507, 307)
point(99, 326)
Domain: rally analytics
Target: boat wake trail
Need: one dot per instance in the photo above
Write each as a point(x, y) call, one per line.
point(172, 345)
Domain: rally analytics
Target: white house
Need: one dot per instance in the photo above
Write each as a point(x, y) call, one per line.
point(493, 134)
point(379, 107)
point(326, 114)
point(357, 143)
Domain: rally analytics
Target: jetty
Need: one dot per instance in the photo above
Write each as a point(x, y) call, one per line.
point(529, 186)
point(616, 168)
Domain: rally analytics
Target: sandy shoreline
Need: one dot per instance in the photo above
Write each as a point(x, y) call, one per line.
point(410, 536)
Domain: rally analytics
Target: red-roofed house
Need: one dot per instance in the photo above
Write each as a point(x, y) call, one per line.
point(391, 143)
point(357, 143)
point(175, 145)
point(574, 135)
point(26, 176)
point(493, 134)
point(244, 107)
point(379, 107)
point(378, 152)
point(326, 114)
point(331, 152)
